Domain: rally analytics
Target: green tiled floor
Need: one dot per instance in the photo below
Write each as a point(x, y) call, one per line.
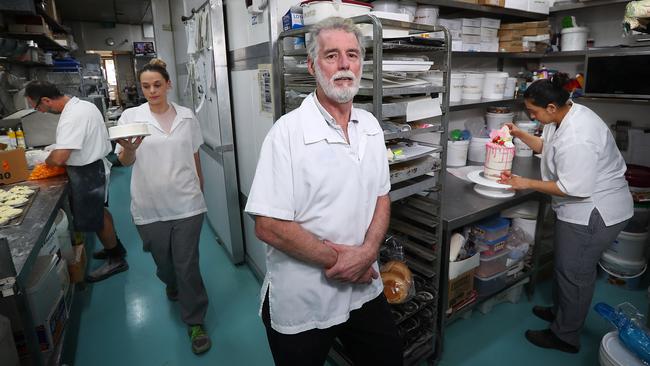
point(127, 320)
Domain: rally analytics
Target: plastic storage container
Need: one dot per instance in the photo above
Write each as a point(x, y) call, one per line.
point(491, 229)
point(496, 120)
point(487, 286)
point(574, 39)
point(630, 246)
point(389, 6)
point(316, 10)
point(494, 85)
point(473, 86)
point(614, 353)
point(521, 149)
point(457, 153)
point(490, 248)
point(457, 83)
point(493, 265)
point(630, 282)
point(477, 149)
point(511, 87)
point(426, 14)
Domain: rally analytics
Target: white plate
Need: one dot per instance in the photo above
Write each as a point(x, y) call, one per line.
point(477, 177)
point(493, 192)
point(128, 136)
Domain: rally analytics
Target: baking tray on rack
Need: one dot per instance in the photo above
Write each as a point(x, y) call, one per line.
point(19, 219)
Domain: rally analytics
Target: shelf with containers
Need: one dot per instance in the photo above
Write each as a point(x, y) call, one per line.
point(564, 6)
point(417, 190)
point(462, 9)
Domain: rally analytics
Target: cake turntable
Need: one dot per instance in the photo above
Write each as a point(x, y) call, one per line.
point(487, 187)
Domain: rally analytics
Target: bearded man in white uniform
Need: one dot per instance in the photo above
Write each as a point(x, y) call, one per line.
point(320, 202)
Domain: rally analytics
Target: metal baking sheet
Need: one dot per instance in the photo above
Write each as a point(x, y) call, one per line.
point(19, 220)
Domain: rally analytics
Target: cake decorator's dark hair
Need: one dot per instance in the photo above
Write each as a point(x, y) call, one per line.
point(548, 91)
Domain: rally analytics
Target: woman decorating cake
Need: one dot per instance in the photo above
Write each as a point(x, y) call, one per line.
point(583, 171)
point(166, 194)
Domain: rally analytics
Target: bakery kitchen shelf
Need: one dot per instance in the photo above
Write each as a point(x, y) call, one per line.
point(522, 55)
point(564, 6)
point(43, 40)
point(458, 9)
point(469, 104)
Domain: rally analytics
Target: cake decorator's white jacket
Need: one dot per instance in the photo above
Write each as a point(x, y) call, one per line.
point(582, 157)
point(164, 182)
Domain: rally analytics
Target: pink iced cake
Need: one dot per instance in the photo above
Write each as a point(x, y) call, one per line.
point(499, 153)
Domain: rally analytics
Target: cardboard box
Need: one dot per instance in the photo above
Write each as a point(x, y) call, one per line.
point(471, 47)
point(471, 39)
point(499, 3)
point(506, 35)
point(13, 166)
point(511, 46)
point(471, 31)
point(489, 34)
point(520, 26)
point(517, 4)
point(538, 6)
point(17, 28)
point(460, 288)
point(456, 45)
point(490, 23)
point(458, 268)
point(468, 1)
point(490, 46)
point(77, 269)
point(451, 24)
point(470, 22)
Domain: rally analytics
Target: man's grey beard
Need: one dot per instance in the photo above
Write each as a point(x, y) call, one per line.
point(340, 94)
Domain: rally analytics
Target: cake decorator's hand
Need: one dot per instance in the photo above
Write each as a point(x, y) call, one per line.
point(514, 130)
point(514, 181)
point(131, 143)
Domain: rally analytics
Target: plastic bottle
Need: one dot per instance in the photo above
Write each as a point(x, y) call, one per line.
point(20, 138)
point(630, 331)
point(12, 139)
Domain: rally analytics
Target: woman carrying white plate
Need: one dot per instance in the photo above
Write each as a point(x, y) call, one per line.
point(166, 194)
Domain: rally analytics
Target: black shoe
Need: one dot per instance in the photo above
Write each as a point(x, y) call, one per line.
point(103, 254)
point(547, 339)
point(111, 267)
point(172, 294)
point(100, 254)
point(544, 313)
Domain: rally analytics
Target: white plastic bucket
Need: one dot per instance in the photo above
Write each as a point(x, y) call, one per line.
point(574, 39)
point(389, 6)
point(456, 87)
point(457, 153)
point(614, 353)
point(494, 85)
point(316, 11)
point(473, 86)
point(629, 246)
point(426, 14)
point(621, 266)
point(477, 149)
point(526, 126)
point(511, 86)
point(521, 149)
point(408, 7)
point(496, 120)
point(630, 282)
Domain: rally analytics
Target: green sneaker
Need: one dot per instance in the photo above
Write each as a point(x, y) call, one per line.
point(200, 339)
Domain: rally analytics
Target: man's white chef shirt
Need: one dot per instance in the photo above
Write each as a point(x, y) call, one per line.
point(82, 129)
point(308, 174)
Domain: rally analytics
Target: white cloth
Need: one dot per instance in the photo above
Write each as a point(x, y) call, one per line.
point(308, 174)
point(582, 157)
point(164, 181)
point(81, 129)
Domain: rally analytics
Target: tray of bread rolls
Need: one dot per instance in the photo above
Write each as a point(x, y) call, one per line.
point(15, 201)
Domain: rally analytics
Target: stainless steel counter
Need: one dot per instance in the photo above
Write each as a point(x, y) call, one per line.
point(26, 239)
point(463, 205)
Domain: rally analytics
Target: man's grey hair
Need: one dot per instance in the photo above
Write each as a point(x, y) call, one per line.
point(332, 23)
